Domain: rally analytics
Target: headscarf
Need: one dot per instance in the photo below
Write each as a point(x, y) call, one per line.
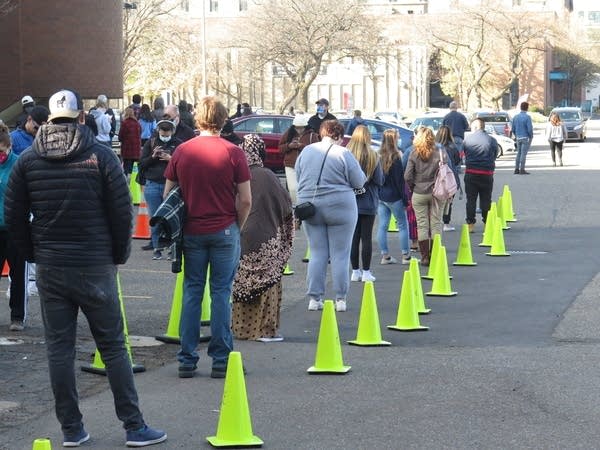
point(266, 239)
point(253, 147)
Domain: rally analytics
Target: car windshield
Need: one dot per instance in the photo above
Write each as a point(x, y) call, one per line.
point(569, 116)
point(430, 122)
point(494, 118)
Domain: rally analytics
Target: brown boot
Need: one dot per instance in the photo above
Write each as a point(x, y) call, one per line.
point(424, 248)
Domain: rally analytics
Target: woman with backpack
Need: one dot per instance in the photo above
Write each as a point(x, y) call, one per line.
point(420, 173)
point(444, 138)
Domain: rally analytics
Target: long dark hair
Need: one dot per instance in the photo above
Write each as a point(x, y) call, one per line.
point(145, 113)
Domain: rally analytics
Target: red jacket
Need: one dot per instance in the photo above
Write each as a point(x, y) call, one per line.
point(129, 136)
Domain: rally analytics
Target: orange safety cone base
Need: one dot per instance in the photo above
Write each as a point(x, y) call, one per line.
point(464, 264)
point(370, 344)
point(419, 328)
point(316, 371)
point(497, 254)
point(439, 294)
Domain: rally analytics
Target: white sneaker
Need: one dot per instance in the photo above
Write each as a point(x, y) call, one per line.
point(448, 227)
point(315, 305)
point(367, 276)
point(388, 260)
point(340, 305)
point(406, 259)
point(356, 275)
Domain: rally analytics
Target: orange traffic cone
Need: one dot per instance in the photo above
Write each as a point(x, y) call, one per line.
point(5, 269)
point(142, 224)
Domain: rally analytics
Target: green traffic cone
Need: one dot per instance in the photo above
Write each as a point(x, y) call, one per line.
point(392, 226)
point(464, 256)
point(498, 242)
point(235, 425)
point(328, 358)
point(408, 317)
point(369, 330)
point(417, 287)
point(435, 249)
point(134, 188)
point(441, 283)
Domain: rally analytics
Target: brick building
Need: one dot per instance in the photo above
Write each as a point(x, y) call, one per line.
point(47, 46)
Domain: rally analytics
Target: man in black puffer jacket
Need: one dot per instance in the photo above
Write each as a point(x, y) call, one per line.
point(81, 229)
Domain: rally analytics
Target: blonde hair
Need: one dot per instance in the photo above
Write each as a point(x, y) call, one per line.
point(555, 119)
point(424, 144)
point(211, 114)
point(360, 146)
point(389, 151)
point(128, 113)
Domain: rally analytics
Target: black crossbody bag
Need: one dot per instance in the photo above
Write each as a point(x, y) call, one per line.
point(306, 210)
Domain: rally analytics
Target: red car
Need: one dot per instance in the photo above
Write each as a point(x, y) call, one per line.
point(270, 128)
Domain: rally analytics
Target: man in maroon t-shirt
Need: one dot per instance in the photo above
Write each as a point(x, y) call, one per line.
point(214, 178)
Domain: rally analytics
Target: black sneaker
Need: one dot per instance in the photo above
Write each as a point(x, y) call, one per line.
point(220, 372)
point(157, 255)
point(524, 172)
point(517, 172)
point(148, 246)
point(187, 370)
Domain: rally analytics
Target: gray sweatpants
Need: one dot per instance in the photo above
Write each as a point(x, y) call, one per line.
point(330, 233)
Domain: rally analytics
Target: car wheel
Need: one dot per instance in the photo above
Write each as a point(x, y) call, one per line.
point(582, 138)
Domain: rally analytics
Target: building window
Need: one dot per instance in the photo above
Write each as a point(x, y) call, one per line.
point(243, 5)
point(594, 17)
point(213, 6)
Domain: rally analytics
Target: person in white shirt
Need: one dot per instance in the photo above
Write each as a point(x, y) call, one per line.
point(556, 134)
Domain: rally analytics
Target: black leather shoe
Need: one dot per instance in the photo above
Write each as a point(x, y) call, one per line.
point(516, 171)
point(148, 246)
point(524, 172)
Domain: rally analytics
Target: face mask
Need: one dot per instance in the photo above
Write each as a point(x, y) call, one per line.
point(4, 156)
point(165, 138)
point(320, 109)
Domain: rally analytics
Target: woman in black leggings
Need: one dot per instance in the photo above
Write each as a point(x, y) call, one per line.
point(367, 201)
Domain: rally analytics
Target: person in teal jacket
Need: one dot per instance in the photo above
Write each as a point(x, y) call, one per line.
point(8, 252)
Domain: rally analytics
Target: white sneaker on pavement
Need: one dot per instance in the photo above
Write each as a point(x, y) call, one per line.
point(389, 259)
point(340, 305)
point(315, 305)
point(406, 259)
point(367, 276)
point(448, 227)
point(356, 275)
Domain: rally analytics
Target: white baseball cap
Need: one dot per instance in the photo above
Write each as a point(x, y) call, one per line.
point(26, 100)
point(65, 103)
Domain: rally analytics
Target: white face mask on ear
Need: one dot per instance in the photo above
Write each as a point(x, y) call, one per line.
point(165, 138)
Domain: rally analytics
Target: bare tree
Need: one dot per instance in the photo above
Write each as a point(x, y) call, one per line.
point(6, 6)
point(140, 31)
point(295, 36)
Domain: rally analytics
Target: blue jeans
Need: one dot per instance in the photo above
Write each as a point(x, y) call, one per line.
point(153, 193)
point(384, 211)
point(523, 145)
point(63, 292)
point(222, 251)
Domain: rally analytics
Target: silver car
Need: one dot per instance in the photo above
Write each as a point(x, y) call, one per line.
point(574, 121)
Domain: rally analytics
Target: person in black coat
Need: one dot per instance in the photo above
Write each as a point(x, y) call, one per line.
point(80, 231)
point(321, 116)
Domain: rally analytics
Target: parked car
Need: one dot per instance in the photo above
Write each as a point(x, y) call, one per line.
point(270, 128)
point(433, 121)
point(500, 120)
point(391, 116)
point(574, 121)
point(377, 127)
point(505, 144)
